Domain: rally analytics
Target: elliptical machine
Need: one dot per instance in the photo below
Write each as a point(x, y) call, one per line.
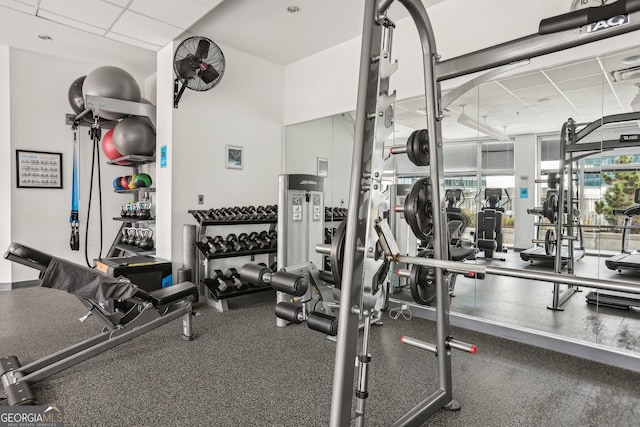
point(488, 235)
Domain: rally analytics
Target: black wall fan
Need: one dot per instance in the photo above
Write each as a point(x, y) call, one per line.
point(199, 65)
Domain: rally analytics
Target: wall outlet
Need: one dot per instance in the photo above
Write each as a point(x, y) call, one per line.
point(201, 199)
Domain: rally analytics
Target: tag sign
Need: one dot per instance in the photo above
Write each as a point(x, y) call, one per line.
point(629, 138)
point(605, 24)
point(524, 193)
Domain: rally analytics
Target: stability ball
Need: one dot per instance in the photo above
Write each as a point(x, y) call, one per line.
point(111, 82)
point(132, 135)
point(76, 100)
point(109, 149)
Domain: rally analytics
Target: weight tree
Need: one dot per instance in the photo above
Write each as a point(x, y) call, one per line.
point(365, 231)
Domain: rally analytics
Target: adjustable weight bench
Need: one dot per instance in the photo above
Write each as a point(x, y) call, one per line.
point(125, 311)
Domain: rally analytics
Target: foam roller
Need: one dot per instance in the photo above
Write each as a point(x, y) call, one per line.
point(289, 312)
point(254, 274)
point(323, 323)
point(289, 283)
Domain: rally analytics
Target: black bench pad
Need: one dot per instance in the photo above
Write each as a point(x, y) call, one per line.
point(173, 293)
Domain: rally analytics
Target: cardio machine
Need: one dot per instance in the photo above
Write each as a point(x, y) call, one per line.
point(625, 260)
point(125, 311)
point(489, 222)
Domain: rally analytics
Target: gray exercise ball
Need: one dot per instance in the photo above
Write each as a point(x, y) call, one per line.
point(132, 135)
point(111, 82)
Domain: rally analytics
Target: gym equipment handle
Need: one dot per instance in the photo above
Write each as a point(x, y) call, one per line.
point(580, 18)
point(461, 345)
point(398, 149)
point(419, 344)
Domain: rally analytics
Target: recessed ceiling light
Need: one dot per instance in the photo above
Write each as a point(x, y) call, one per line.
point(293, 9)
point(44, 37)
point(544, 100)
point(629, 60)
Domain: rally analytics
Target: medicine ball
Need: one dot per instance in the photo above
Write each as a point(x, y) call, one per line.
point(132, 182)
point(142, 180)
point(117, 183)
point(132, 135)
point(125, 181)
point(111, 82)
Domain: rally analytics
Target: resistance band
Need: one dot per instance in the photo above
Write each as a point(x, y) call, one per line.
point(74, 218)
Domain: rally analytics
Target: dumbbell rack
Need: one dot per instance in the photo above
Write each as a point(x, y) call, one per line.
point(118, 248)
point(214, 298)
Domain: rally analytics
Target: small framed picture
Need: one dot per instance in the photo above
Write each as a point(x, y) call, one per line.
point(234, 157)
point(38, 169)
point(323, 166)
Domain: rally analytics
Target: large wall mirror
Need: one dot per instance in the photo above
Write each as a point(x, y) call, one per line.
point(506, 134)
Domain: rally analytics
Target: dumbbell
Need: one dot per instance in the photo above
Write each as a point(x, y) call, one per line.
point(234, 243)
point(233, 275)
point(222, 285)
point(256, 238)
point(222, 244)
point(212, 247)
point(265, 237)
point(247, 242)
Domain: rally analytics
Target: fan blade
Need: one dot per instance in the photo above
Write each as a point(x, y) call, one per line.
point(203, 50)
point(186, 68)
point(208, 73)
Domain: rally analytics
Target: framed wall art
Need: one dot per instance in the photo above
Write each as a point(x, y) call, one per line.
point(38, 169)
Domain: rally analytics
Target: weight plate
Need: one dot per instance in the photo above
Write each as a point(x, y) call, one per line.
point(337, 253)
point(550, 242)
point(418, 210)
point(423, 287)
point(552, 180)
point(418, 148)
point(550, 207)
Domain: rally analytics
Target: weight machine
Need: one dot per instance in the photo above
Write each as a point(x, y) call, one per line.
point(366, 232)
point(489, 222)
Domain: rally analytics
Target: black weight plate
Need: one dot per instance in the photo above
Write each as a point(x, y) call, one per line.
point(423, 291)
point(418, 148)
point(549, 242)
point(418, 211)
point(552, 180)
point(550, 207)
point(337, 254)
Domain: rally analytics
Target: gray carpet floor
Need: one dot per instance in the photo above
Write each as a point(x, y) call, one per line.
point(241, 370)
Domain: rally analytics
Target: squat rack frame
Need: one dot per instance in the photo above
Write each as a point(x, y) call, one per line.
point(555, 34)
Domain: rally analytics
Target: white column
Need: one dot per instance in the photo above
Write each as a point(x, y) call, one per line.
point(164, 138)
point(525, 166)
point(7, 160)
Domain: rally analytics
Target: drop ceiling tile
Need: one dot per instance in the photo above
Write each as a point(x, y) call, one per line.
point(121, 3)
point(489, 88)
point(596, 81)
point(412, 104)
point(181, 13)
point(614, 61)
point(19, 6)
point(129, 40)
point(212, 3)
point(526, 80)
point(70, 22)
point(574, 70)
point(533, 94)
point(148, 30)
point(90, 12)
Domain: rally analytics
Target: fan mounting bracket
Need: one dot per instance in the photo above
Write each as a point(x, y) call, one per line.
point(178, 91)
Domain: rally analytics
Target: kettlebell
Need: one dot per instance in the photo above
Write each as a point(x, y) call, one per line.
point(144, 210)
point(132, 236)
point(147, 241)
point(125, 235)
point(138, 238)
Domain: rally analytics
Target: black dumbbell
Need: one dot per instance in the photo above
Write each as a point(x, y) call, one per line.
point(222, 243)
point(233, 243)
point(233, 275)
point(211, 246)
point(247, 242)
point(222, 284)
point(259, 242)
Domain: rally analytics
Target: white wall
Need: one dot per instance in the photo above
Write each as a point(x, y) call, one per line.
point(245, 109)
point(40, 217)
point(324, 84)
point(6, 159)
